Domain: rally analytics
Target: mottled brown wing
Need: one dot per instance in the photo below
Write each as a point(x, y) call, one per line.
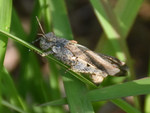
point(110, 65)
point(77, 52)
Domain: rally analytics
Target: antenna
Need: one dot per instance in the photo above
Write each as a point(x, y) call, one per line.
point(40, 25)
point(40, 33)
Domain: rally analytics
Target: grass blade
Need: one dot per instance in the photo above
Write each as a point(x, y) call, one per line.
point(13, 107)
point(137, 87)
point(9, 88)
point(5, 19)
point(61, 101)
point(147, 98)
point(113, 28)
point(125, 106)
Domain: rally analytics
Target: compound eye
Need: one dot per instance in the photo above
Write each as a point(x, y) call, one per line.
point(54, 39)
point(56, 49)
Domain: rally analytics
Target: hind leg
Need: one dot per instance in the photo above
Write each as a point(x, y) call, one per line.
point(96, 74)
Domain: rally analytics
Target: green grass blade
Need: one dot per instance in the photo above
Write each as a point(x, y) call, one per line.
point(107, 18)
point(77, 97)
point(5, 19)
point(134, 88)
point(55, 92)
point(126, 20)
point(12, 107)
point(16, 27)
point(46, 15)
point(58, 102)
point(54, 73)
point(60, 21)
point(34, 24)
point(147, 104)
point(125, 106)
point(112, 25)
point(137, 87)
point(19, 40)
point(122, 9)
point(119, 102)
point(147, 98)
point(9, 88)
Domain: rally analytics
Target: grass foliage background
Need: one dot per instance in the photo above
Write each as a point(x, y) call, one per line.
point(31, 88)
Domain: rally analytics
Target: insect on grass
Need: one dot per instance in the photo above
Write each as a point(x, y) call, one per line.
point(81, 59)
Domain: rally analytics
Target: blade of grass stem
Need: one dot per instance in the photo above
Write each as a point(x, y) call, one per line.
point(11, 89)
point(53, 76)
point(25, 54)
point(12, 107)
point(136, 87)
point(5, 19)
point(111, 26)
point(147, 98)
point(57, 102)
point(125, 106)
point(126, 19)
point(108, 18)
